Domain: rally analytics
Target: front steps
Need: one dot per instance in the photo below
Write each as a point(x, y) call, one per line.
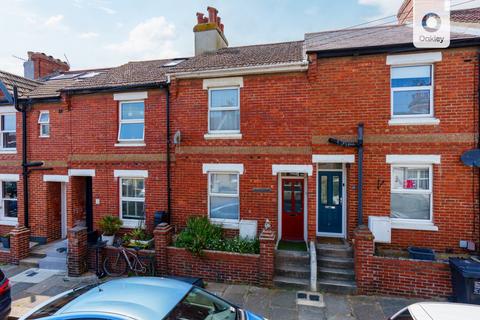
point(52, 256)
point(292, 270)
point(335, 268)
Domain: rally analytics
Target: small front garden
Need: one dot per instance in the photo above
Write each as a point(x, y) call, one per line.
point(200, 234)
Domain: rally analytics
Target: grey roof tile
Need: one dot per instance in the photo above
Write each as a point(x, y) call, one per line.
point(471, 15)
point(24, 85)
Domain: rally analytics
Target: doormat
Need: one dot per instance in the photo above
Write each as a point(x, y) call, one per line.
point(292, 245)
point(312, 299)
point(34, 275)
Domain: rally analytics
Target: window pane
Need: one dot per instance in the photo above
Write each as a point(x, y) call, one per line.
point(224, 207)
point(133, 210)
point(9, 190)
point(298, 197)
point(44, 118)
point(10, 208)
point(225, 120)
point(45, 129)
point(287, 197)
point(133, 111)
point(411, 102)
point(8, 122)
point(223, 183)
point(139, 188)
point(411, 179)
point(10, 140)
point(224, 98)
point(411, 76)
point(398, 178)
point(336, 190)
point(410, 206)
point(131, 131)
point(324, 186)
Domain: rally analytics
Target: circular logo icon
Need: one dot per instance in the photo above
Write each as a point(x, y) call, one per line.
point(431, 22)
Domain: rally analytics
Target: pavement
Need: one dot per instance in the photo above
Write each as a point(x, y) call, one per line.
point(31, 287)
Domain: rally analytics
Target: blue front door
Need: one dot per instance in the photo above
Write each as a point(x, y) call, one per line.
point(330, 213)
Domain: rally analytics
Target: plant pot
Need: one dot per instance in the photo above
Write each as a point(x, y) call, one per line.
point(143, 243)
point(109, 239)
point(6, 242)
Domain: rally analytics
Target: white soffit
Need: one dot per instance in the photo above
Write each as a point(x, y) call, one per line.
point(55, 178)
point(333, 158)
point(291, 168)
point(81, 172)
point(142, 95)
point(413, 159)
point(130, 173)
point(416, 58)
point(222, 82)
point(223, 167)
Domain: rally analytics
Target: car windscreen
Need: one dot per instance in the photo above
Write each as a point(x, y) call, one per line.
point(201, 305)
point(52, 307)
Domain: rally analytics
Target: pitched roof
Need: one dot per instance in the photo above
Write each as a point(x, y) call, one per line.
point(471, 15)
point(24, 85)
point(246, 56)
point(365, 37)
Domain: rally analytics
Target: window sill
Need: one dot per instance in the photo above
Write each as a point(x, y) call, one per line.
point(214, 136)
point(130, 144)
point(226, 224)
point(8, 222)
point(413, 121)
point(8, 151)
point(424, 226)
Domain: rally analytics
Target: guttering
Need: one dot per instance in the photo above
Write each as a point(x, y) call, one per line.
point(153, 85)
point(297, 66)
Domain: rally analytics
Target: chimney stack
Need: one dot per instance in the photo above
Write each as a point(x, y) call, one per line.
point(405, 13)
point(209, 36)
point(40, 65)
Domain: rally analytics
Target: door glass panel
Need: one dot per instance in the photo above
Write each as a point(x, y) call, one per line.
point(287, 197)
point(336, 191)
point(323, 189)
point(298, 197)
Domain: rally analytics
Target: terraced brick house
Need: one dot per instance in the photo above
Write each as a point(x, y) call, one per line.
point(317, 138)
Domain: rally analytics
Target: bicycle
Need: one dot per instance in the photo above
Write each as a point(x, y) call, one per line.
point(115, 266)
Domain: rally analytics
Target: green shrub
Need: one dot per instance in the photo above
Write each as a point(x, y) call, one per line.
point(110, 225)
point(200, 234)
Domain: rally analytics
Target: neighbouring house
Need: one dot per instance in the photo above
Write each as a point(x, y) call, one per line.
point(269, 135)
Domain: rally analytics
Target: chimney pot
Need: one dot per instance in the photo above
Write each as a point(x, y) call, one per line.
point(209, 35)
point(212, 14)
point(200, 17)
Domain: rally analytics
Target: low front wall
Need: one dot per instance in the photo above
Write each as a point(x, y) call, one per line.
point(397, 276)
point(215, 266)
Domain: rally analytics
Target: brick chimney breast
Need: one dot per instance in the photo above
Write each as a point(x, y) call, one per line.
point(40, 65)
point(209, 32)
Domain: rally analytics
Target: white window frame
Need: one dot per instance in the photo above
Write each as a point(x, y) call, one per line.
point(417, 88)
point(130, 121)
point(131, 223)
point(4, 219)
point(210, 109)
point(414, 191)
point(3, 149)
point(44, 123)
point(224, 222)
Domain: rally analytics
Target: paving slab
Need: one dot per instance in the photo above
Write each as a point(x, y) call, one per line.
point(311, 313)
point(284, 313)
point(284, 299)
point(366, 308)
point(337, 306)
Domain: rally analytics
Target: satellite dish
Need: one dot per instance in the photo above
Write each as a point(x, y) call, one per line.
point(471, 158)
point(177, 138)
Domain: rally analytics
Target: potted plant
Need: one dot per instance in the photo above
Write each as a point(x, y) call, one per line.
point(138, 237)
point(5, 240)
point(110, 226)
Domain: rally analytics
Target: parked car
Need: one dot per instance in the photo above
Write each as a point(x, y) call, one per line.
point(438, 311)
point(5, 296)
point(142, 298)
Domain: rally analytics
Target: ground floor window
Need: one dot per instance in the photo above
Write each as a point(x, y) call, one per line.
point(411, 193)
point(132, 200)
point(223, 196)
point(9, 207)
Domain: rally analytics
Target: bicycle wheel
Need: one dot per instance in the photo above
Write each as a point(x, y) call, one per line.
point(145, 266)
point(114, 266)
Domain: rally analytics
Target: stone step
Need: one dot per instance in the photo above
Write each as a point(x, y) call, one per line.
point(291, 283)
point(334, 251)
point(337, 286)
point(37, 254)
point(29, 262)
point(53, 263)
point(285, 270)
point(334, 262)
point(292, 258)
point(336, 274)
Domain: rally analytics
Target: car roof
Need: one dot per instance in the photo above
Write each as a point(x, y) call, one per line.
point(443, 311)
point(137, 297)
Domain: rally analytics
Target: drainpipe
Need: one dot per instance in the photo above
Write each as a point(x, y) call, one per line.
point(360, 173)
point(169, 191)
point(478, 137)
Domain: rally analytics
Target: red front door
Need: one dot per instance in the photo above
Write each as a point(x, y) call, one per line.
point(292, 209)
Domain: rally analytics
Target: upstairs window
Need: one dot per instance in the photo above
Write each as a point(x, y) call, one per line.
point(412, 91)
point(44, 122)
point(411, 193)
point(224, 110)
point(132, 121)
point(8, 136)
